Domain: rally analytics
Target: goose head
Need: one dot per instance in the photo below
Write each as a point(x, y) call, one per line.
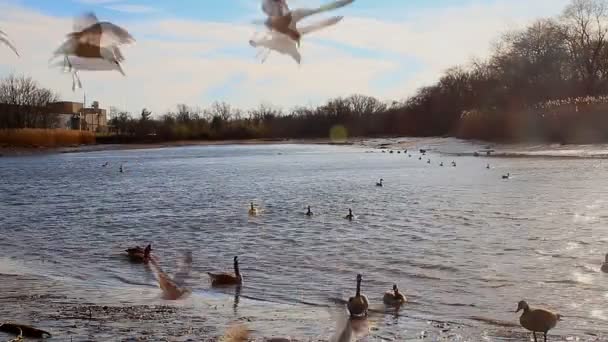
point(522, 305)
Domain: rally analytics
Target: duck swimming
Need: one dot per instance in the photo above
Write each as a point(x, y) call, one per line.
point(394, 297)
point(358, 305)
point(138, 254)
point(227, 279)
point(309, 212)
point(537, 320)
point(253, 211)
point(350, 215)
point(605, 265)
point(380, 182)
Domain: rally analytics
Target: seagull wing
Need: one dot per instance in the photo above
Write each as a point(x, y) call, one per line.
point(320, 25)
point(275, 8)
point(84, 21)
point(299, 14)
point(9, 44)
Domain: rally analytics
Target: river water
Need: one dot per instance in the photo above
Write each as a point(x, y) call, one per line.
point(463, 244)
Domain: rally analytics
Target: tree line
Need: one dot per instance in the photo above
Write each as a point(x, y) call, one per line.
point(547, 82)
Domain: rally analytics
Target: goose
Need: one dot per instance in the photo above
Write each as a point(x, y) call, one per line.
point(605, 265)
point(4, 39)
point(537, 320)
point(357, 306)
point(507, 176)
point(394, 297)
point(173, 288)
point(278, 42)
point(253, 211)
point(227, 279)
point(350, 215)
point(309, 212)
point(380, 183)
point(283, 20)
point(138, 254)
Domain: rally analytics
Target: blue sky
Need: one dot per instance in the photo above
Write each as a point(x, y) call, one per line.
point(196, 51)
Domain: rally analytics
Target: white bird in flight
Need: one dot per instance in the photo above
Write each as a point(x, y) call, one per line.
point(276, 41)
point(282, 19)
point(4, 39)
point(93, 46)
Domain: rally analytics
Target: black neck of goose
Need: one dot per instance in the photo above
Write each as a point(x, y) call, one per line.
point(236, 268)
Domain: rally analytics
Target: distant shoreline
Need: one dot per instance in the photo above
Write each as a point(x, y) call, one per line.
point(13, 151)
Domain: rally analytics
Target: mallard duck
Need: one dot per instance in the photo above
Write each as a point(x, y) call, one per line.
point(394, 297)
point(253, 211)
point(537, 320)
point(605, 265)
point(309, 212)
point(227, 279)
point(358, 305)
point(350, 215)
point(380, 182)
point(507, 176)
point(138, 254)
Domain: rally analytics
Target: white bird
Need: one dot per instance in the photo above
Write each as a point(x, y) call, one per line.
point(286, 22)
point(96, 43)
point(281, 43)
point(4, 39)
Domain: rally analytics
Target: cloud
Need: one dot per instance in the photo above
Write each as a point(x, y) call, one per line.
point(199, 61)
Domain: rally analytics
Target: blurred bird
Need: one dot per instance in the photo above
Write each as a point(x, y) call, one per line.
point(173, 288)
point(96, 43)
point(283, 44)
point(4, 39)
point(286, 21)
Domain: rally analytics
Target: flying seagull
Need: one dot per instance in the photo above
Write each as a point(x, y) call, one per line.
point(93, 40)
point(286, 23)
point(282, 44)
point(4, 39)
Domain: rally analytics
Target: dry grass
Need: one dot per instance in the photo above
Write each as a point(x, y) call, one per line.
point(45, 137)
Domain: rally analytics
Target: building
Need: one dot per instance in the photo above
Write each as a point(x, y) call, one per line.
point(73, 115)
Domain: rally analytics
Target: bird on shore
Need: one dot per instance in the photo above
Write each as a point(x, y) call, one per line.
point(173, 288)
point(350, 215)
point(4, 39)
point(537, 320)
point(357, 306)
point(284, 20)
point(278, 42)
point(605, 264)
point(309, 212)
point(227, 279)
point(394, 297)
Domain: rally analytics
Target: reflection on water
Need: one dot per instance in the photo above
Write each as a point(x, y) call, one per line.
point(460, 241)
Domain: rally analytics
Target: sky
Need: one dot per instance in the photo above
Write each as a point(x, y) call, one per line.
point(196, 52)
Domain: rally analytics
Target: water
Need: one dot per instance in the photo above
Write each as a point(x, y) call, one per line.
point(464, 245)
